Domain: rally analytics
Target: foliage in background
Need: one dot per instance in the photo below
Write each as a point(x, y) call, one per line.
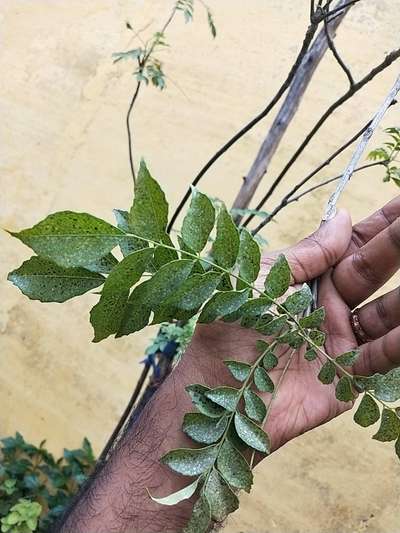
point(179, 333)
point(387, 155)
point(35, 487)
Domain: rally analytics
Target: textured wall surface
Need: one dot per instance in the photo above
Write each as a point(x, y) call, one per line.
point(63, 145)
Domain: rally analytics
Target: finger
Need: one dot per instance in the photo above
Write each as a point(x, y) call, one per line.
point(380, 355)
point(371, 226)
point(381, 315)
point(317, 253)
point(362, 273)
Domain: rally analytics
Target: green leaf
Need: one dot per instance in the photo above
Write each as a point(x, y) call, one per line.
point(278, 279)
point(397, 447)
point(299, 301)
point(344, 390)
point(387, 386)
point(262, 380)
point(148, 216)
point(310, 355)
point(226, 244)
point(202, 428)
point(254, 406)
point(348, 358)
point(220, 497)
point(270, 361)
point(248, 259)
point(314, 320)
point(71, 239)
point(107, 315)
point(128, 244)
point(189, 297)
point(198, 222)
point(270, 327)
point(137, 314)
point(327, 373)
point(104, 265)
point(234, 467)
point(201, 517)
point(41, 279)
point(221, 304)
point(251, 434)
point(317, 337)
point(293, 338)
point(163, 255)
point(240, 371)
point(390, 427)
point(198, 396)
point(367, 412)
point(190, 462)
point(166, 281)
point(183, 494)
point(226, 397)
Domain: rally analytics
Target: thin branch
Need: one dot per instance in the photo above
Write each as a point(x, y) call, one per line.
point(337, 9)
point(129, 130)
point(336, 54)
point(306, 43)
point(390, 58)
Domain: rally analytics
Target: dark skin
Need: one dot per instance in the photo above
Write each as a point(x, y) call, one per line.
point(353, 262)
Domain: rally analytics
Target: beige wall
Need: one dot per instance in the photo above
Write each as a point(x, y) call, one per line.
point(63, 145)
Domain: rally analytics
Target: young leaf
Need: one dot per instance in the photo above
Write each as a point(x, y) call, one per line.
point(367, 412)
point(278, 279)
point(234, 467)
point(262, 380)
point(299, 301)
point(198, 396)
point(41, 279)
point(137, 314)
point(314, 320)
point(344, 390)
point(148, 216)
point(248, 259)
point(221, 304)
point(201, 517)
point(348, 358)
point(202, 428)
point(240, 371)
point(220, 497)
point(226, 244)
point(71, 239)
point(106, 316)
point(198, 222)
point(390, 427)
point(254, 406)
point(226, 397)
point(190, 462)
point(327, 373)
point(252, 434)
point(175, 498)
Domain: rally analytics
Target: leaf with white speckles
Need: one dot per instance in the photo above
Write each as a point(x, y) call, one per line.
point(262, 380)
point(248, 259)
point(254, 406)
point(278, 279)
point(221, 304)
point(299, 301)
point(198, 396)
point(367, 412)
point(234, 467)
point(201, 517)
point(198, 222)
point(240, 371)
point(252, 434)
point(202, 428)
point(190, 462)
point(226, 397)
point(390, 427)
point(226, 244)
point(221, 498)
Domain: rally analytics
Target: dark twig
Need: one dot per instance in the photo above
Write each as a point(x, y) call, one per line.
point(336, 54)
point(336, 10)
point(390, 58)
point(129, 130)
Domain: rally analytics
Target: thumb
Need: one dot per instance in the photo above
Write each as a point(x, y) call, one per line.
point(315, 254)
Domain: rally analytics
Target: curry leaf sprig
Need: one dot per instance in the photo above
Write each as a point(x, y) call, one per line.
point(387, 155)
point(158, 281)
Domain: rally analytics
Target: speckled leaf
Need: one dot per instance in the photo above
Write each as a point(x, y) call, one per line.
point(104, 265)
point(240, 371)
point(43, 280)
point(106, 316)
point(292, 338)
point(202, 428)
point(167, 280)
point(327, 373)
point(344, 390)
point(128, 244)
point(270, 361)
point(189, 297)
point(390, 427)
point(162, 255)
point(177, 497)
point(226, 397)
point(197, 394)
point(277, 281)
point(221, 304)
point(262, 380)
point(368, 412)
point(251, 434)
point(255, 307)
point(310, 355)
point(137, 314)
point(220, 497)
point(226, 244)
point(191, 462)
point(254, 406)
point(348, 358)
point(313, 320)
point(148, 216)
point(270, 327)
point(198, 222)
point(317, 337)
point(248, 259)
point(71, 239)
point(201, 517)
point(234, 467)
point(387, 386)
point(298, 302)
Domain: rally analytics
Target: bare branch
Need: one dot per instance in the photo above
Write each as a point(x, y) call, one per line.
point(335, 53)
